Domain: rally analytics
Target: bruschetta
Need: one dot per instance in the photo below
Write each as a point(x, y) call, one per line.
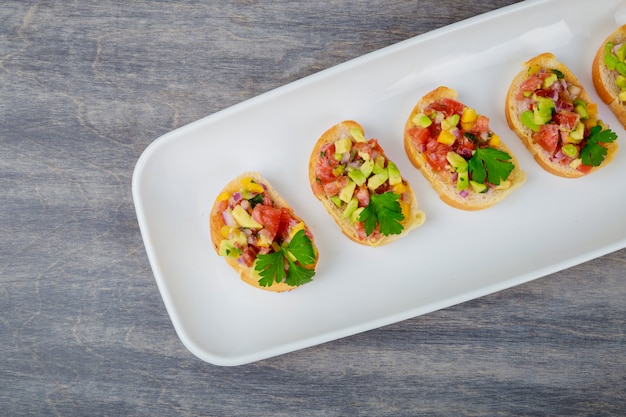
point(608, 72)
point(361, 188)
point(260, 236)
point(557, 121)
point(466, 163)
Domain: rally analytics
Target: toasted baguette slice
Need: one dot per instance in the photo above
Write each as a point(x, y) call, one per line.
point(604, 79)
point(572, 107)
point(441, 137)
point(336, 157)
point(241, 237)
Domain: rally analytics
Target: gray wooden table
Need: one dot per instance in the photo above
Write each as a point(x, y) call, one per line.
point(85, 86)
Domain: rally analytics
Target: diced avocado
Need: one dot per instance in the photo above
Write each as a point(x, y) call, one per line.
point(357, 134)
point(352, 205)
point(620, 81)
point(610, 59)
point(379, 165)
point(239, 237)
point(570, 150)
point(347, 191)
point(478, 187)
point(354, 217)
point(335, 199)
point(543, 110)
point(621, 68)
point(357, 176)
point(457, 161)
point(580, 107)
point(578, 133)
point(528, 119)
point(420, 119)
point(343, 145)
point(622, 96)
point(244, 219)
point(394, 173)
point(377, 180)
point(227, 248)
point(549, 80)
point(462, 181)
point(450, 122)
point(367, 167)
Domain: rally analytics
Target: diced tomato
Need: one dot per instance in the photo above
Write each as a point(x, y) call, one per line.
point(419, 136)
point(448, 106)
point(585, 169)
point(286, 220)
point(529, 85)
point(436, 153)
point(326, 163)
point(268, 216)
point(334, 187)
point(482, 124)
point(548, 137)
point(363, 195)
point(248, 256)
point(566, 119)
point(465, 146)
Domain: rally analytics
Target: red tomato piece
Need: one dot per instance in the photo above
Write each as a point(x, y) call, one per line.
point(566, 119)
point(448, 106)
point(548, 137)
point(419, 136)
point(436, 153)
point(268, 216)
point(482, 124)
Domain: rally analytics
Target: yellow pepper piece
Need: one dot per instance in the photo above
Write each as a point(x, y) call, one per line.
point(468, 118)
point(446, 137)
point(494, 141)
point(295, 230)
point(225, 231)
point(399, 188)
point(251, 186)
point(223, 196)
point(406, 209)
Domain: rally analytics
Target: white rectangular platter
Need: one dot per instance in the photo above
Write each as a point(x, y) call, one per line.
point(547, 225)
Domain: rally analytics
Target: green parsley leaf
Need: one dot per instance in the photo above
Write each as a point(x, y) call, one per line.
point(491, 165)
point(298, 253)
point(384, 210)
point(593, 153)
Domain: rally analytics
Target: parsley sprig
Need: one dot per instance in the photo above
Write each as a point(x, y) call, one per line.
point(385, 210)
point(593, 153)
point(490, 164)
point(298, 254)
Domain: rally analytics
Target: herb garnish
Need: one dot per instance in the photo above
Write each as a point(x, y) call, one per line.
point(298, 253)
point(490, 164)
point(593, 153)
point(385, 210)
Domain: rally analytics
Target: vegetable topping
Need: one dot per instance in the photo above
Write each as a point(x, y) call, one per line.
point(362, 182)
point(258, 234)
point(615, 60)
point(457, 143)
point(561, 122)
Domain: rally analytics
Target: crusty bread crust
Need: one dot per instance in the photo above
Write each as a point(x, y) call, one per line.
point(248, 274)
point(513, 111)
point(416, 217)
point(442, 182)
point(604, 79)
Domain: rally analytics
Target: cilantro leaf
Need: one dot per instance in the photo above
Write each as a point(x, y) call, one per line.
point(270, 267)
point(593, 153)
point(385, 210)
point(490, 164)
point(298, 254)
point(301, 248)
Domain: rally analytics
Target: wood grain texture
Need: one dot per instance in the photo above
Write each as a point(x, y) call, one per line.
point(86, 86)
